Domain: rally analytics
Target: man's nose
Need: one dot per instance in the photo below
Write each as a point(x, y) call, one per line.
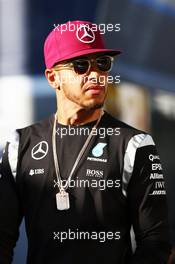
point(93, 77)
point(93, 72)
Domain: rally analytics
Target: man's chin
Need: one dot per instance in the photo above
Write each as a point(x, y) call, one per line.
point(93, 106)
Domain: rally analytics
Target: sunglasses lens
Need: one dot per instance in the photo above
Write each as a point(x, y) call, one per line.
point(81, 66)
point(104, 63)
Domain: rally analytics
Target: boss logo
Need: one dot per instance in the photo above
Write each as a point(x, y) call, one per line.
point(94, 173)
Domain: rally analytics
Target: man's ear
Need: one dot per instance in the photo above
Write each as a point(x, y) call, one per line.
point(51, 78)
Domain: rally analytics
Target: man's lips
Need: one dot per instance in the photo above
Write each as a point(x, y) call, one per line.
point(94, 89)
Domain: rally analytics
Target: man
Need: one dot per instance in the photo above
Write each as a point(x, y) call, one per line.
point(82, 178)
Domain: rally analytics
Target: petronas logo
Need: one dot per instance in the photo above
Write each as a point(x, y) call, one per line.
point(98, 149)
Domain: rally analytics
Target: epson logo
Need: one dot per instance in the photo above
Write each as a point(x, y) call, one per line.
point(94, 173)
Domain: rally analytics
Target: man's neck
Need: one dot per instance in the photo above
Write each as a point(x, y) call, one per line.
point(78, 117)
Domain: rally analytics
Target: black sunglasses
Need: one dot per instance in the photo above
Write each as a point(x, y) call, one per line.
point(82, 66)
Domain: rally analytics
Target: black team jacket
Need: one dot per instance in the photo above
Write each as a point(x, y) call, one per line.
point(118, 184)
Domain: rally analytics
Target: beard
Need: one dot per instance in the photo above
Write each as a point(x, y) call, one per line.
point(88, 104)
point(93, 106)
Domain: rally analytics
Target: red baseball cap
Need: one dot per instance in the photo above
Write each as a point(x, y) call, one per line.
point(74, 39)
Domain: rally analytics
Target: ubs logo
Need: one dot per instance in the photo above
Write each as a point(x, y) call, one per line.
point(40, 150)
point(36, 171)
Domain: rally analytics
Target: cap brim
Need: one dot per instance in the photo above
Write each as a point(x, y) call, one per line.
point(112, 52)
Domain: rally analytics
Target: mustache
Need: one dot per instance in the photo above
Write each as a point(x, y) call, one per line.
point(95, 82)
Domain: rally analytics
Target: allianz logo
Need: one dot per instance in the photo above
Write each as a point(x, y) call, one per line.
point(94, 173)
point(36, 171)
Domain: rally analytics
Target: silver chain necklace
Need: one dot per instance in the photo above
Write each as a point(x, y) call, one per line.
point(62, 197)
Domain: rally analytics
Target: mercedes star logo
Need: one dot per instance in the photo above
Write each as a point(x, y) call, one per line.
point(40, 150)
point(85, 34)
